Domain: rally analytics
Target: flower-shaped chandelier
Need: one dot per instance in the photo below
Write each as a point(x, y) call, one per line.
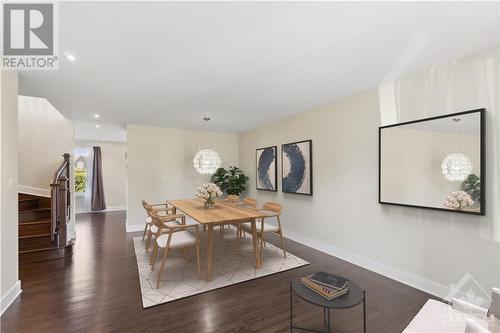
point(456, 167)
point(206, 161)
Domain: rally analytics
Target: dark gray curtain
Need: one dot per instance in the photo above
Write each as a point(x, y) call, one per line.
point(97, 196)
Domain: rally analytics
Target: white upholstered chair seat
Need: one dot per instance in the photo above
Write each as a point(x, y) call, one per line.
point(246, 206)
point(268, 212)
point(148, 219)
point(177, 236)
point(154, 229)
point(267, 227)
point(179, 239)
point(190, 221)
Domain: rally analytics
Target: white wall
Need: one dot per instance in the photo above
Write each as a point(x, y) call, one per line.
point(160, 164)
point(10, 284)
point(423, 248)
point(44, 136)
point(114, 172)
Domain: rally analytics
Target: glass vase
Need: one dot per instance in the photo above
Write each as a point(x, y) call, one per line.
point(209, 203)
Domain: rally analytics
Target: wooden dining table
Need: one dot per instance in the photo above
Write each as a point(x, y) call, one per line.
point(221, 214)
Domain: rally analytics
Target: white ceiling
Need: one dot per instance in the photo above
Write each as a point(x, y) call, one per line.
point(245, 64)
point(88, 131)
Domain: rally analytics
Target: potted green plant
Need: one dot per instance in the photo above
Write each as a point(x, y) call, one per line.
point(231, 181)
point(472, 185)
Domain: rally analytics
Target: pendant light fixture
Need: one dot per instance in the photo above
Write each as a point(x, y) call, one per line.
point(456, 166)
point(206, 161)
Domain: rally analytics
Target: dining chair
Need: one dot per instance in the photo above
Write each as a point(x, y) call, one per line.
point(233, 199)
point(271, 210)
point(153, 229)
point(176, 236)
point(148, 218)
point(248, 203)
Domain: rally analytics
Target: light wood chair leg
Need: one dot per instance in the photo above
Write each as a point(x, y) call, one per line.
point(242, 234)
point(162, 267)
point(255, 244)
point(153, 256)
point(282, 243)
point(145, 231)
point(238, 237)
point(262, 239)
point(261, 247)
point(281, 236)
point(148, 240)
point(151, 242)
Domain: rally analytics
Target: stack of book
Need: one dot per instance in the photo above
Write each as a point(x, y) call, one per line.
point(327, 285)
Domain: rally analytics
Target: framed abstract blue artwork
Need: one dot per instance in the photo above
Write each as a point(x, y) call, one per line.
point(296, 167)
point(266, 168)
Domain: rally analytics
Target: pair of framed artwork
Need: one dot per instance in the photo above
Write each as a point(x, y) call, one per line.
point(296, 168)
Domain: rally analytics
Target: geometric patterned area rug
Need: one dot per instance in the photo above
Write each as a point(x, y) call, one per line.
point(230, 266)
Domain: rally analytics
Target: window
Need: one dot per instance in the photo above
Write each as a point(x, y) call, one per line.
point(82, 159)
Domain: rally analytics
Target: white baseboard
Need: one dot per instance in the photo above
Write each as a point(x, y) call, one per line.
point(407, 278)
point(135, 227)
point(10, 296)
point(116, 208)
point(109, 209)
point(42, 192)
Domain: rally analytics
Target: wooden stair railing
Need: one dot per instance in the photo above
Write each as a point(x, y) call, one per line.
point(44, 221)
point(61, 203)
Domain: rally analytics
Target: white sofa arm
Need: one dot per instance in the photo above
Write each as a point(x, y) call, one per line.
point(495, 303)
point(472, 326)
point(469, 308)
point(437, 316)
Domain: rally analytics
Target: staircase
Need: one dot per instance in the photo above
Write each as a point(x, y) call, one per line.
point(35, 231)
point(43, 233)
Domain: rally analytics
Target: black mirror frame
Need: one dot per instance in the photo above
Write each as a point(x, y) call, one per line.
point(482, 114)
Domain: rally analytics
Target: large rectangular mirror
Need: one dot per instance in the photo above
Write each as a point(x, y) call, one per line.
point(435, 163)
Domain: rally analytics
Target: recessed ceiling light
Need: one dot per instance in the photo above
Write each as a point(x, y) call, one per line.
point(104, 139)
point(97, 126)
point(70, 57)
point(96, 116)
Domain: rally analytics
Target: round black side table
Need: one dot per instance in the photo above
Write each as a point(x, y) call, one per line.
point(354, 297)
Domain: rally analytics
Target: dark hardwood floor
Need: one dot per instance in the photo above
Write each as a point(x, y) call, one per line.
point(97, 290)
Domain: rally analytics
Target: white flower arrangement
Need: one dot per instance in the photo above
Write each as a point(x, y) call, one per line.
point(209, 192)
point(459, 200)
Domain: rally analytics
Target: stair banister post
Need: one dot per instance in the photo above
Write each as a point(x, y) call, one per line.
point(54, 192)
point(63, 210)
